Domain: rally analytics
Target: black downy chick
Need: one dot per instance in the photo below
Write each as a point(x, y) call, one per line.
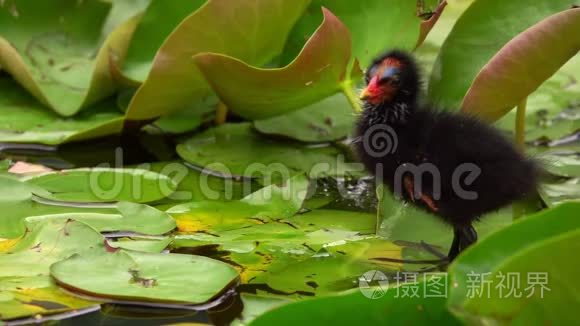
point(449, 164)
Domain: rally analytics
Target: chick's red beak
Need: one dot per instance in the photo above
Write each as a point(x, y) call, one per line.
point(372, 90)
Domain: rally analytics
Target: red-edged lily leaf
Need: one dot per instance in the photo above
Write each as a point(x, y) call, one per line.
point(250, 30)
point(523, 64)
point(483, 29)
point(52, 49)
point(262, 93)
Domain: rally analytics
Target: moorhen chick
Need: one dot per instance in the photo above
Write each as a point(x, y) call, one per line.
point(450, 164)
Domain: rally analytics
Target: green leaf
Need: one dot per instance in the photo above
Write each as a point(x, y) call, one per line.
point(327, 120)
point(484, 28)
point(53, 49)
point(499, 86)
point(174, 80)
point(256, 93)
point(375, 25)
point(154, 245)
point(125, 275)
point(234, 149)
point(522, 249)
point(24, 120)
point(132, 217)
point(104, 185)
point(271, 202)
point(387, 309)
point(160, 19)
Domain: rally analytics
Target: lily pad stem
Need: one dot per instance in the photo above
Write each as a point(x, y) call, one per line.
point(221, 114)
point(346, 87)
point(519, 208)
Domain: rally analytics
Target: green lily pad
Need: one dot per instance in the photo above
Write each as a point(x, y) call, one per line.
point(104, 185)
point(483, 29)
point(125, 275)
point(498, 88)
point(335, 219)
point(255, 93)
point(131, 217)
point(234, 149)
point(54, 51)
point(25, 263)
point(152, 245)
point(557, 193)
point(25, 120)
point(521, 250)
point(175, 81)
point(327, 120)
point(271, 202)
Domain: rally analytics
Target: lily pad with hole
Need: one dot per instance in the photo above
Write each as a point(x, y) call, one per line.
point(127, 275)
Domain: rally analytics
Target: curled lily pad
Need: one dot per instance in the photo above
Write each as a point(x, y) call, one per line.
point(256, 93)
point(104, 185)
point(126, 275)
point(483, 29)
point(54, 51)
point(25, 120)
point(498, 87)
point(219, 26)
point(375, 25)
point(158, 22)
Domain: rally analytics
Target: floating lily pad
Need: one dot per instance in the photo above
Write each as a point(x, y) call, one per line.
point(104, 185)
point(125, 275)
point(25, 120)
point(483, 29)
point(521, 249)
point(53, 49)
point(327, 120)
point(234, 149)
point(131, 217)
point(25, 284)
point(174, 80)
point(271, 202)
point(152, 245)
